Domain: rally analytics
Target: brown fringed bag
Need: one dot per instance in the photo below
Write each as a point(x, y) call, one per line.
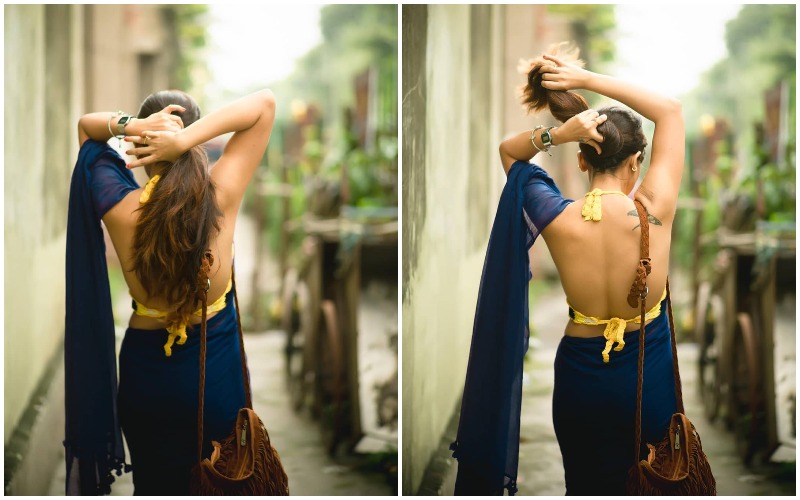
point(676, 465)
point(245, 463)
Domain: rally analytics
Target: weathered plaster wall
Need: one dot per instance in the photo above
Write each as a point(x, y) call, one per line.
point(37, 158)
point(450, 194)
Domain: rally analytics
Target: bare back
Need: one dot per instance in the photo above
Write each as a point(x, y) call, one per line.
point(121, 223)
point(597, 261)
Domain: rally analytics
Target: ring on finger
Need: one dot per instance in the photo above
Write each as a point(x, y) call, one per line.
point(145, 139)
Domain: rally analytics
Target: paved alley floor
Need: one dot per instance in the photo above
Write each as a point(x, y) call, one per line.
point(540, 467)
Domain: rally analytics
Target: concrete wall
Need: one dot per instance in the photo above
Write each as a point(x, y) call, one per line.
point(37, 157)
point(42, 96)
point(129, 49)
point(451, 182)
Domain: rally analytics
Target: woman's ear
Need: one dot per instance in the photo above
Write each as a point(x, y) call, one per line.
point(582, 163)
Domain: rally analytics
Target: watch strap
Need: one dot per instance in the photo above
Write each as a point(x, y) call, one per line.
point(121, 123)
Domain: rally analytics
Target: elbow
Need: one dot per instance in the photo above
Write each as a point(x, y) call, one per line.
point(267, 100)
point(674, 106)
point(503, 149)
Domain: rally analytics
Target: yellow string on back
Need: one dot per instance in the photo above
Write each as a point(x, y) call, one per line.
point(148, 189)
point(615, 327)
point(592, 207)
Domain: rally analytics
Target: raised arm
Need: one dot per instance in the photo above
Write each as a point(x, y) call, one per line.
point(526, 145)
point(250, 118)
point(99, 126)
point(662, 181)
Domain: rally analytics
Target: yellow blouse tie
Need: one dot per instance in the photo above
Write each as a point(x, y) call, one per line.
point(148, 188)
point(178, 332)
point(592, 207)
point(615, 327)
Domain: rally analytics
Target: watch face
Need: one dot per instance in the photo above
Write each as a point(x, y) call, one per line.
point(124, 120)
point(546, 139)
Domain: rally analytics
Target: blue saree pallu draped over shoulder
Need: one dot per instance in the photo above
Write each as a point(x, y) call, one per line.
point(93, 439)
point(157, 403)
point(487, 444)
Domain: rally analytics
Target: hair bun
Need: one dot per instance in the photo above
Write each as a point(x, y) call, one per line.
point(613, 142)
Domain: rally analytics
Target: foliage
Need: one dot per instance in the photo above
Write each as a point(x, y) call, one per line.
point(359, 45)
point(355, 38)
point(761, 54)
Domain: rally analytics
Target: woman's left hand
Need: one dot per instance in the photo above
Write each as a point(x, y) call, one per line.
point(155, 146)
point(581, 128)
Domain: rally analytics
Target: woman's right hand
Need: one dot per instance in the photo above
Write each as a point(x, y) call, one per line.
point(162, 120)
point(156, 146)
point(581, 128)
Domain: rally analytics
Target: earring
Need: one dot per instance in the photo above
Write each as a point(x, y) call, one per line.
point(634, 169)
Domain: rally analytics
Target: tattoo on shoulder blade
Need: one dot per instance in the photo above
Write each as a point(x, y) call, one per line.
point(652, 219)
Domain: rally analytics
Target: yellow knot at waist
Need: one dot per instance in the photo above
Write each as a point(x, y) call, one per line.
point(592, 207)
point(148, 189)
point(614, 332)
point(615, 327)
point(177, 333)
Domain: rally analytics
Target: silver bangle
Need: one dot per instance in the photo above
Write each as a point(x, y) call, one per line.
point(118, 113)
point(533, 135)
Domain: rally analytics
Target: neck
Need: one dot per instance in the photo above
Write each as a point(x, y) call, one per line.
point(608, 182)
point(157, 169)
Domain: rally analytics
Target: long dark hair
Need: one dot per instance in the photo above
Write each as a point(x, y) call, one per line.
point(622, 132)
point(177, 223)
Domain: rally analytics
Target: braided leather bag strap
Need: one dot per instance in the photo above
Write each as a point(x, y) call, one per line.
point(203, 286)
point(640, 285)
point(638, 296)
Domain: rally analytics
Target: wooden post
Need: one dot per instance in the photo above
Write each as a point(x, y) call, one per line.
point(351, 289)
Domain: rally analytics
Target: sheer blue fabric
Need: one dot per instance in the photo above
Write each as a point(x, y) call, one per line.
point(93, 439)
point(487, 443)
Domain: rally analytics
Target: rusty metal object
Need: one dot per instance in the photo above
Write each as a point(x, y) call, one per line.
point(747, 403)
point(331, 380)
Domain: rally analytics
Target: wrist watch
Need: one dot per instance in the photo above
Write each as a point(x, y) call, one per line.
point(123, 121)
point(547, 138)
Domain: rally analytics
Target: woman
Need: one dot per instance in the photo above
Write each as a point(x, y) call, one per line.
point(595, 245)
point(183, 217)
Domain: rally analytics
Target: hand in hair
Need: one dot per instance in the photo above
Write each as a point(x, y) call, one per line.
point(162, 120)
point(155, 146)
point(581, 128)
point(563, 76)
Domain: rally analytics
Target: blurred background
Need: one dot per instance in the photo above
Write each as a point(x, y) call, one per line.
point(316, 241)
point(733, 251)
